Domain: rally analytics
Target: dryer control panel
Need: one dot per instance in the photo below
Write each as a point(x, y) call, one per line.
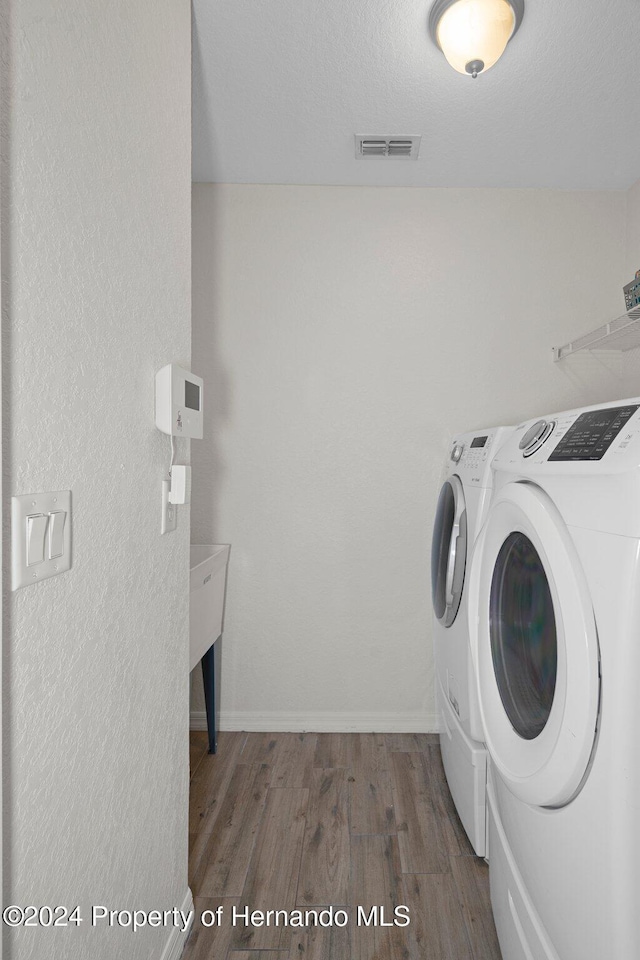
point(592, 433)
point(576, 436)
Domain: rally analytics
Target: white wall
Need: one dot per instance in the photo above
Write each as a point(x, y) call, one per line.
point(98, 282)
point(345, 334)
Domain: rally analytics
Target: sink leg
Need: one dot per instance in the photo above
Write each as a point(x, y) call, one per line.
point(209, 681)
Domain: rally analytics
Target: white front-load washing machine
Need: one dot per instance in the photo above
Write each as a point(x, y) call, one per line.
point(461, 508)
point(554, 615)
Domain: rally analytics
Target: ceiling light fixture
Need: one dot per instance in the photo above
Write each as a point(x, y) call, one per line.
point(473, 34)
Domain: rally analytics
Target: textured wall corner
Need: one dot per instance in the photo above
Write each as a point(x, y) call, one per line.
point(99, 299)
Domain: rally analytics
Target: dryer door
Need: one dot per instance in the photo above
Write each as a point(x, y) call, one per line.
point(449, 551)
point(534, 641)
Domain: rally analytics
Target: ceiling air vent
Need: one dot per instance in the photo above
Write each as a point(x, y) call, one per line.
point(392, 148)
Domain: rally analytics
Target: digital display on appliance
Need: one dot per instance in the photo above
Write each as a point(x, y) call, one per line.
point(191, 395)
point(593, 433)
point(479, 441)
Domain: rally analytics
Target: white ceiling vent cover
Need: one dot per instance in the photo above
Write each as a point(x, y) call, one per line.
point(391, 148)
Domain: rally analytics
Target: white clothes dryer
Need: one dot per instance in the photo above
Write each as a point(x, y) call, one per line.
point(461, 509)
point(554, 616)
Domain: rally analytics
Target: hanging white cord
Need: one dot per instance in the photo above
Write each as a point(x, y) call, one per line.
point(172, 454)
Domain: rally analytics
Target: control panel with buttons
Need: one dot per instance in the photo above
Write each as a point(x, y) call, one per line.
point(471, 456)
point(40, 537)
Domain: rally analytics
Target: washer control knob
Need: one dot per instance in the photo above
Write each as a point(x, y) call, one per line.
point(456, 453)
point(533, 434)
point(536, 436)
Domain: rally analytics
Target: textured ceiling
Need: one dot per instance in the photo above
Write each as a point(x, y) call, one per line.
point(281, 87)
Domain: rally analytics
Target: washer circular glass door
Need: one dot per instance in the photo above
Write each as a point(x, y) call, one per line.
point(535, 645)
point(523, 636)
point(449, 551)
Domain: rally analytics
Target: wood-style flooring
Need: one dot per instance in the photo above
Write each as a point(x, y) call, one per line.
point(290, 821)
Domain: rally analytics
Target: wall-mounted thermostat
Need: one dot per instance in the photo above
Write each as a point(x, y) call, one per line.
point(179, 402)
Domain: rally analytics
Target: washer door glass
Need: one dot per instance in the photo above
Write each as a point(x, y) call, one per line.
point(449, 551)
point(524, 641)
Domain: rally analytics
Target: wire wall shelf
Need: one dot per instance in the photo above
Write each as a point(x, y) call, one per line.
point(623, 333)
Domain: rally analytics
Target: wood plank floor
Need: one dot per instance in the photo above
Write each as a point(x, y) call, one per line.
point(290, 821)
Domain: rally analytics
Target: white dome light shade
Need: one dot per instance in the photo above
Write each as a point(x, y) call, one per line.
point(473, 34)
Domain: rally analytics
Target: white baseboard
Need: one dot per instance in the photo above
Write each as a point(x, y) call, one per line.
point(198, 720)
point(177, 938)
point(319, 723)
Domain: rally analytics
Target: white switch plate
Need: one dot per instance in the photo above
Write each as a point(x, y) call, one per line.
point(23, 507)
point(169, 520)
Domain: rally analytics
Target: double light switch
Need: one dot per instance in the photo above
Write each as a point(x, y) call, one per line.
point(45, 536)
point(41, 536)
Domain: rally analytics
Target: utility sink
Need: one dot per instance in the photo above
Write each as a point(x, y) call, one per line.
point(206, 598)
